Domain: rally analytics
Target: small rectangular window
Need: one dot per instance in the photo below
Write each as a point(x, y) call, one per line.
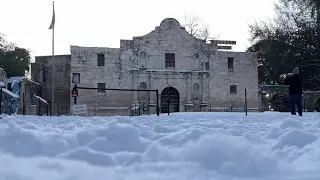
point(170, 60)
point(230, 63)
point(233, 89)
point(101, 87)
point(100, 60)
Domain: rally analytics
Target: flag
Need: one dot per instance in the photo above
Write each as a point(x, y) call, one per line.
point(53, 19)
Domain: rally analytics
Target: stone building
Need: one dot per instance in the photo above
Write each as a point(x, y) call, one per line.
point(41, 72)
point(197, 75)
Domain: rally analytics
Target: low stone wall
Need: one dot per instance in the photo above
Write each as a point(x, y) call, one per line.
point(276, 97)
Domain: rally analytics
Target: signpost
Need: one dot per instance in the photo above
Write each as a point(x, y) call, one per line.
point(79, 109)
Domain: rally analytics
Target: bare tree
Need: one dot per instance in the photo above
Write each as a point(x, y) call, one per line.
point(193, 25)
point(205, 33)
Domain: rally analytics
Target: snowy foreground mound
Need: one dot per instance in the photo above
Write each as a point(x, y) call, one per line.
point(197, 146)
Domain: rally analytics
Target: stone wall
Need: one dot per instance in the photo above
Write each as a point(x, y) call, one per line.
point(200, 74)
point(84, 62)
point(41, 72)
point(244, 75)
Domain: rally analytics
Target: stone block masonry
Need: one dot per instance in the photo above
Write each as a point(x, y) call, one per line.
point(41, 72)
point(194, 74)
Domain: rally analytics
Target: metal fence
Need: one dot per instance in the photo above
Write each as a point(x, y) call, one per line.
point(134, 101)
point(120, 108)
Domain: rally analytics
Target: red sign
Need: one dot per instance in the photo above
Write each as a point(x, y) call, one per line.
point(74, 93)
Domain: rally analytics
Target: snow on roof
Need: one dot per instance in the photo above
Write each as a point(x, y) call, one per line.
point(41, 99)
point(9, 93)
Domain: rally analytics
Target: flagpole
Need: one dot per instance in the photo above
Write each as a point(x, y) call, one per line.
point(52, 89)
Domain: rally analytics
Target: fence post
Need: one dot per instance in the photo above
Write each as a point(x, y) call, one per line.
point(245, 96)
point(51, 113)
point(168, 100)
point(304, 105)
point(23, 104)
point(0, 100)
point(157, 94)
point(47, 109)
point(58, 110)
point(39, 107)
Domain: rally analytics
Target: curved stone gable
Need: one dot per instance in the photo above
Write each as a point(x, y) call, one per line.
point(170, 28)
point(170, 22)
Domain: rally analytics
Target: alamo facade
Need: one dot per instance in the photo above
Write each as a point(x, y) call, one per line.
point(197, 74)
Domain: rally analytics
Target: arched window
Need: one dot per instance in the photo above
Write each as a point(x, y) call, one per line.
point(143, 55)
point(143, 86)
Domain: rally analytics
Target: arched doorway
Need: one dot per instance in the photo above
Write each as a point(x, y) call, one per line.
point(174, 99)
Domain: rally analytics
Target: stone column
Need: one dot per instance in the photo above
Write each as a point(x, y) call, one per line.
point(187, 86)
point(189, 103)
point(204, 92)
point(134, 86)
point(152, 95)
point(152, 85)
point(201, 87)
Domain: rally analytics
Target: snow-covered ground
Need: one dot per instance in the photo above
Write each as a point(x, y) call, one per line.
point(182, 146)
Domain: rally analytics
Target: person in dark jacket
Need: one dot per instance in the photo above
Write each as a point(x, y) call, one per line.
point(294, 81)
